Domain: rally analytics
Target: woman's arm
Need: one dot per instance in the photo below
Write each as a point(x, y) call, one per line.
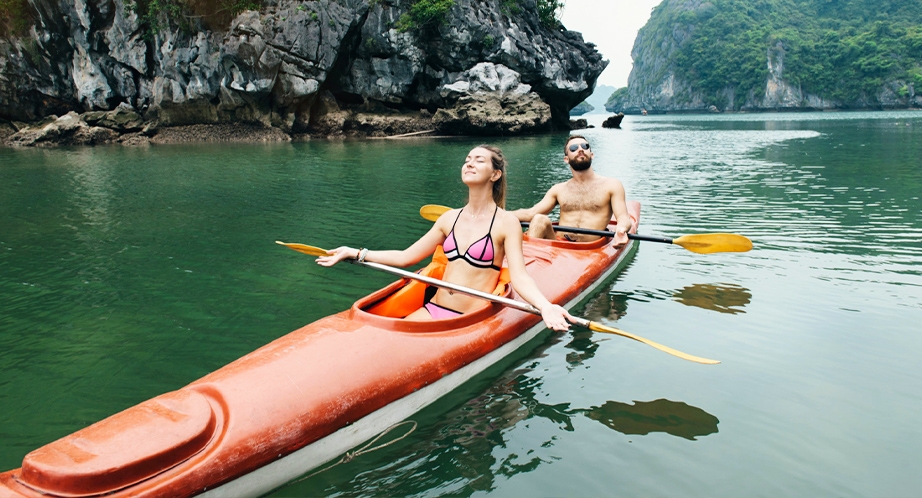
point(421, 249)
point(555, 317)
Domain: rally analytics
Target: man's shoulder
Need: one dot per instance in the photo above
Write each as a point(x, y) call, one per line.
point(557, 187)
point(610, 181)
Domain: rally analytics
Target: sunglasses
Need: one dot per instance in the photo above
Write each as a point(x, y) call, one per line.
point(575, 147)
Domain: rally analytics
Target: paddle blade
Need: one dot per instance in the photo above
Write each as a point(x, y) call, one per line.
point(598, 327)
point(432, 212)
point(306, 249)
point(706, 243)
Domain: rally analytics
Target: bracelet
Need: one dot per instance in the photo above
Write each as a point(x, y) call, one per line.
point(362, 253)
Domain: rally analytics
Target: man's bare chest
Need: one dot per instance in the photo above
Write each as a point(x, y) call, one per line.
point(584, 198)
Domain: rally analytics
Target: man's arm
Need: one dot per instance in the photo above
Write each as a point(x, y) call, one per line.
point(619, 209)
point(544, 206)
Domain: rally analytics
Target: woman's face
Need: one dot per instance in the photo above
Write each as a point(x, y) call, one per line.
point(478, 167)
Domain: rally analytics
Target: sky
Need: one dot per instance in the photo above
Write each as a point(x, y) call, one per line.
point(612, 26)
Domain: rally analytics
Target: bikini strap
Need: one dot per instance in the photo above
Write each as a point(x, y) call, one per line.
point(456, 220)
point(489, 230)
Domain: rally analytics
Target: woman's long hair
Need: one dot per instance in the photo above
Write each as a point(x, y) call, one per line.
point(499, 163)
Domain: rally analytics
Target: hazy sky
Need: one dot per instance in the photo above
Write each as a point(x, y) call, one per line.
point(612, 25)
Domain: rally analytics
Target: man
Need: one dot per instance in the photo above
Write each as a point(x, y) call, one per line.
point(587, 200)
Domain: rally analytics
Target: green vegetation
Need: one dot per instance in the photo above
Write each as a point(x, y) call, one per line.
point(614, 102)
point(215, 14)
point(549, 12)
point(154, 13)
point(15, 17)
point(423, 14)
point(843, 50)
point(510, 7)
point(581, 108)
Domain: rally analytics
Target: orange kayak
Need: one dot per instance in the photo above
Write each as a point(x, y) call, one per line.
point(306, 398)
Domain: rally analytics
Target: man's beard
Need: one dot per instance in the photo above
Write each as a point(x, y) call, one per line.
point(581, 164)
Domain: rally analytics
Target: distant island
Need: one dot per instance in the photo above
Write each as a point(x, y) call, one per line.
point(743, 55)
point(595, 103)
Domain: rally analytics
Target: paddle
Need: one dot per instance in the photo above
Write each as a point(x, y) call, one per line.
point(316, 251)
point(704, 243)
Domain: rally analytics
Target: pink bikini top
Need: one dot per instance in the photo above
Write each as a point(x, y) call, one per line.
point(479, 254)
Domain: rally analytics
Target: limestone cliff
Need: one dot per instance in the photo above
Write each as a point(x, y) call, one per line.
point(321, 67)
point(737, 55)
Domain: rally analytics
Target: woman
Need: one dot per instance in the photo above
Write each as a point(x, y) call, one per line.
point(475, 238)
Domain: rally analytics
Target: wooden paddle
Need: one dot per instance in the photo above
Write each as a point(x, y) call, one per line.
point(704, 243)
point(316, 251)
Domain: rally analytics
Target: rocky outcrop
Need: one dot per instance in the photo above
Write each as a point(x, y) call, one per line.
point(321, 67)
point(490, 99)
point(69, 129)
point(613, 121)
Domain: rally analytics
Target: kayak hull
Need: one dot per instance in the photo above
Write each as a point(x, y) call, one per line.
point(306, 398)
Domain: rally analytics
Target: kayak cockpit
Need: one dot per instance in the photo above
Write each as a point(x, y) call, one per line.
point(388, 307)
point(384, 308)
point(567, 244)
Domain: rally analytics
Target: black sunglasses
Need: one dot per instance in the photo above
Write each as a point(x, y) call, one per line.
point(575, 147)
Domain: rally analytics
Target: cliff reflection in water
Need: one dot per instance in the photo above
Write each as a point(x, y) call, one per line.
point(722, 297)
point(661, 415)
point(725, 298)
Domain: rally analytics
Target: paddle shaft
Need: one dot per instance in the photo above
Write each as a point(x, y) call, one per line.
point(598, 327)
point(698, 243)
point(512, 303)
point(606, 233)
point(582, 322)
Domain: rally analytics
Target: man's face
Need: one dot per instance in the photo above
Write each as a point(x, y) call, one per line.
point(579, 155)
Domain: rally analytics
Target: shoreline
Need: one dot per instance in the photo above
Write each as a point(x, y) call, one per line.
point(76, 131)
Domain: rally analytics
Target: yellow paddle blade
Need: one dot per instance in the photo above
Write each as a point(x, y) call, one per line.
point(306, 249)
point(432, 212)
point(685, 356)
point(706, 243)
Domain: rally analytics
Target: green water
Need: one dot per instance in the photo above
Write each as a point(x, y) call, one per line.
point(129, 272)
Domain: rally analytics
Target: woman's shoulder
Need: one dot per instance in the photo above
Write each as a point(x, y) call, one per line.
point(450, 215)
point(508, 220)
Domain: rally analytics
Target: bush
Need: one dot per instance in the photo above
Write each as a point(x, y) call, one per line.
point(15, 17)
point(424, 13)
point(186, 14)
point(548, 13)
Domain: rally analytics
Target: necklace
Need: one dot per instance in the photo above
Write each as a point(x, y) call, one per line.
point(478, 216)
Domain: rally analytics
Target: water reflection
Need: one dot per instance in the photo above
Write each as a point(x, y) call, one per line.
point(723, 298)
point(610, 306)
point(720, 297)
point(661, 415)
point(470, 448)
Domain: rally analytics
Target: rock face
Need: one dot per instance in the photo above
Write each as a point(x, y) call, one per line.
point(613, 121)
point(323, 67)
point(655, 85)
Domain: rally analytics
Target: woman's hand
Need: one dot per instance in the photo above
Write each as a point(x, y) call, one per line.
point(556, 318)
point(337, 255)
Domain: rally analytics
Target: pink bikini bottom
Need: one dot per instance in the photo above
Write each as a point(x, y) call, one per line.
point(440, 312)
